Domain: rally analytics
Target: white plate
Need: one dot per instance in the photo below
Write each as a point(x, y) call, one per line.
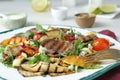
point(13, 74)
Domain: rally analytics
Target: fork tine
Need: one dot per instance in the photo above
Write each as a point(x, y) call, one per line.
point(106, 54)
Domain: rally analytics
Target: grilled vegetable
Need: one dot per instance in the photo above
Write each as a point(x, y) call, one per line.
point(30, 50)
point(81, 61)
point(14, 40)
point(53, 33)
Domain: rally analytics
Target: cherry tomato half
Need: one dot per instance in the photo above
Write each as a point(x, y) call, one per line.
point(5, 56)
point(68, 37)
point(19, 53)
point(37, 36)
point(22, 44)
point(100, 44)
point(71, 37)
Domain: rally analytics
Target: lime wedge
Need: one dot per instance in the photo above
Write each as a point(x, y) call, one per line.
point(94, 10)
point(108, 8)
point(39, 5)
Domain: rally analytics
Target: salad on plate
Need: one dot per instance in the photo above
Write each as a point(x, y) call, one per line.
point(52, 51)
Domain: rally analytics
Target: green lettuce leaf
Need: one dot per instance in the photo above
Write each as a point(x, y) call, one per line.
point(38, 57)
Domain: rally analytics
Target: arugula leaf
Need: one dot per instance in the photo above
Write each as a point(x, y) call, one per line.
point(60, 35)
point(78, 45)
point(34, 43)
point(28, 34)
point(40, 28)
point(66, 53)
point(7, 63)
point(44, 57)
point(38, 57)
point(82, 45)
point(34, 59)
point(9, 60)
point(2, 48)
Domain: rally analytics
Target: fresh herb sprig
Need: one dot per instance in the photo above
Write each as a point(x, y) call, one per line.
point(78, 45)
point(40, 28)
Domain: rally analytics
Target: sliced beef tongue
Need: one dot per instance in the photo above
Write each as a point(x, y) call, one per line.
point(56, 47)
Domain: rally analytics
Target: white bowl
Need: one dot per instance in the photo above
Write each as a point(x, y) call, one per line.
point(59, 13)
point(13, 20)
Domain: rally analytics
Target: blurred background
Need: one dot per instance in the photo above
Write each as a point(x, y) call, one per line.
point(74, 6)
point(78, 2)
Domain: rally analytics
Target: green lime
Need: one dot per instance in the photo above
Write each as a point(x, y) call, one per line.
point(108, 8)
point(95, 10)
point(39, 5)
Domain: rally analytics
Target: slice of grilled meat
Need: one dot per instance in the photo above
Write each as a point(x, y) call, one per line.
point(44, 67)
point(53, 47)
point(28, 73)
point(18, 60)
point(40, 68)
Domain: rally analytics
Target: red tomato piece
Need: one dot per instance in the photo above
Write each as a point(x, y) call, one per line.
point(19, 53)
point(37, 36)
point(71, 37)
point(5, 56)
point(22, 44)
point(100, 44)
